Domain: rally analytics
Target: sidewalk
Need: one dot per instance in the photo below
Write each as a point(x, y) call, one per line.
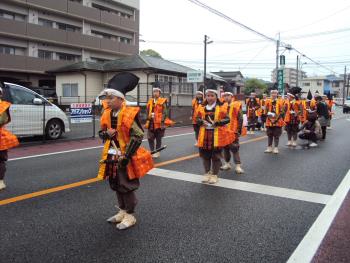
point(68, 145)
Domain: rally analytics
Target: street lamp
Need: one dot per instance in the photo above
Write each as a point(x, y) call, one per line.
point(206, 42)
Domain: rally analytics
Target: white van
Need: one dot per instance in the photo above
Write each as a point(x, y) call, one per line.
point(27, 111)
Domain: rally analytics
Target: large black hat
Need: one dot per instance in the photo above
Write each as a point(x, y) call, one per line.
point(309, 95)
point(200, 90)
point(211, 87)
point(120, 84)
point(228, 89)
point(156, 86)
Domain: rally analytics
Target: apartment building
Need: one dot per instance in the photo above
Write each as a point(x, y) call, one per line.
point(323, 85)
point(39, 35)
point(290, 76)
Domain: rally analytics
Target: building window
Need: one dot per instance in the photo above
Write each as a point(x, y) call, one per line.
point(7, 50)
point(44, 54)
point(125, 40)
point(319, 83)
point(98, 60)
point(76, 1)
point(45, 22)
point(336, 84)
point(70, 89)
point(306, 84)
point(12, 16)
point(68, 28)
point(67, 57)
point(101, 34)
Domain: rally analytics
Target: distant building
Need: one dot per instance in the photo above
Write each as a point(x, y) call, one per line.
point(39, 35)
point(290, 76)
point(323, 85)
point(233, 76)
point(83, 81)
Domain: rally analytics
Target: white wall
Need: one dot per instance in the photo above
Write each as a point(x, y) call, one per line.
point(70, 78)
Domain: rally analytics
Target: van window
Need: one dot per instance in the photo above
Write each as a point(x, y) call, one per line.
point(20, 96)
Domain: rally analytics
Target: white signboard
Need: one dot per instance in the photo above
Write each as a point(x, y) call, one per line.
point(80, 112)
point(195, 76)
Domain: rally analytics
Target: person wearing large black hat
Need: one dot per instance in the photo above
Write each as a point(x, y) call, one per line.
point(196, 102)
point(157, 113)
point(235, 113)
point(123, 160)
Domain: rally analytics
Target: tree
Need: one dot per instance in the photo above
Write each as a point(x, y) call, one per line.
point(151, 53)
point(254, 85)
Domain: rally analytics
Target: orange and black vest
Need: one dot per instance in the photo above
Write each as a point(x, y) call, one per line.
point(255, 103)
point(156, 108)
point(222, 135)
point(141, 162)
point(295, 106)
point(233, 112)
point(275, 106)
point(7, 139)
point(195, 107)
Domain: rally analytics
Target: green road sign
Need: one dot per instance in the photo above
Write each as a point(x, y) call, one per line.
point(280, 81)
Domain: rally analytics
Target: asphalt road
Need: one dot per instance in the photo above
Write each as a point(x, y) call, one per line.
point(179, 219)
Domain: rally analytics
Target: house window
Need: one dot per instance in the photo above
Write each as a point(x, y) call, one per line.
point(7, 50)
point(44, 54)
point(306, 84)
point(70, 90)
point(319, 83)
point(45, 22)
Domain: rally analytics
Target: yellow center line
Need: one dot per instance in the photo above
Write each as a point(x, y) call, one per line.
point(94, 180)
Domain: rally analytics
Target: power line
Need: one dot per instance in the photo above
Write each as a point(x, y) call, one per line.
point(319, 20)
point(212, 10)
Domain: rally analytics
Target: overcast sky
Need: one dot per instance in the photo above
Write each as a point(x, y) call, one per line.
point(165, 22)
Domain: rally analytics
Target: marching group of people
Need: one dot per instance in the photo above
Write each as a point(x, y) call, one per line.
point(218, 123)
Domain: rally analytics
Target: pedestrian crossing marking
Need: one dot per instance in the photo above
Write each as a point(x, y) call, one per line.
point(245, 186)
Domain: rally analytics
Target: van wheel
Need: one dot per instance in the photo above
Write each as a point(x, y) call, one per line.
point(54, 129)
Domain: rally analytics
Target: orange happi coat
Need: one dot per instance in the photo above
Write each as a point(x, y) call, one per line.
point(141, 162)
point(277, 109)
point(222, 135)
point(157, 108)
point(7, 139)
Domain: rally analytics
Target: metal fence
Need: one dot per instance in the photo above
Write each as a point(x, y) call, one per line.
point(45, 122)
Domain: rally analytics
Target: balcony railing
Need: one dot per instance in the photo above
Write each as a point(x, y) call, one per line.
point(62, 37)
point(29, 64)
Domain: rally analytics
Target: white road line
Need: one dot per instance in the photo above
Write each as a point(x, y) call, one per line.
point(244, 186)
point(84, 149)
point(307, 248)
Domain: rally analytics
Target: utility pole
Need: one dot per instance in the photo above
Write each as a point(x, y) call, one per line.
point(347, 87)
point(297, 71)
point(277, 53)
point(344, 86)
point(206, 42)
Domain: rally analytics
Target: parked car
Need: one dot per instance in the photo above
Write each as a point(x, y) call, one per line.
point(346, 108)
point(27, 113)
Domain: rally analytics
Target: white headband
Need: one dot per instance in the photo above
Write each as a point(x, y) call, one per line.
point(228, 93)
point(155, 88)
point(111, 92)
point(211, 90)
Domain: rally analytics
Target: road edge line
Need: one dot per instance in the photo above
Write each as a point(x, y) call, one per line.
point(309, 245)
